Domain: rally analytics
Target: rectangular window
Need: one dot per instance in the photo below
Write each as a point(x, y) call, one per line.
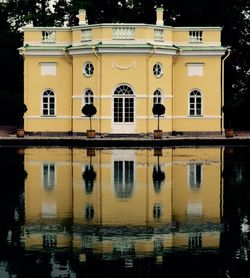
point(48, 69)
point(195, 69)
point(118, 108)
point(48, 106)
point(129, 110)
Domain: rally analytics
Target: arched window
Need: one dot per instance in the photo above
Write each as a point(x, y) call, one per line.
point(157, 97)
point(88, 97)
point(48, 103)
point(123, 104)
point(195, 103)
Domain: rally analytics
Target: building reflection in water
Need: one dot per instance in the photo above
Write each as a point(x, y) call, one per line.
point(126, 204)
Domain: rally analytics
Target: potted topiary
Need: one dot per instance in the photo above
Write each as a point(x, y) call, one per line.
point(89, 174)
point(21, 109)
point(228, 110)
point(89, 110)
point(158, 174)
point(158, 110)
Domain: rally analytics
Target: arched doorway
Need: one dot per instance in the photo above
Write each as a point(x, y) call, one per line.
point(123, 110)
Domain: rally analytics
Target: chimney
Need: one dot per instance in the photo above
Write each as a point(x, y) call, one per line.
point(82, 17)
point(159, 16)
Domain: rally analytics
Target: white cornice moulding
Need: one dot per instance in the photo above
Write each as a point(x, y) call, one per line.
point(43, 53)
point(207, 117)
point(202, 53)
point(46, 117)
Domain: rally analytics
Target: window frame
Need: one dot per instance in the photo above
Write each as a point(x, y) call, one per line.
point(51, 96)
point(88, 69)
point(123, 105)
point(157, 70)
point(157, 97)
point(88, 97)
point(195, 108)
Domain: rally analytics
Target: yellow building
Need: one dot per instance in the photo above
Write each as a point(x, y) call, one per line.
point(123, 69)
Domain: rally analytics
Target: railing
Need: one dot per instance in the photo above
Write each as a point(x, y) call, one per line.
point(195, 36)
point(158, 34)
point(123, 33)
point(86, 35)
point(48, 36)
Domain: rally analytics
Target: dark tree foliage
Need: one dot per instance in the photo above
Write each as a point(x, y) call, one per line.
point(11, 90)
point(158, 110)
point(89, 110)
point(61, 13)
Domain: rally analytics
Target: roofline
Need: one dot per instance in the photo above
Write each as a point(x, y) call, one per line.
point(103, 25)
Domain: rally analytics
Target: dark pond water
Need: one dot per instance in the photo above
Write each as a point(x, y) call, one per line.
point(171, 212)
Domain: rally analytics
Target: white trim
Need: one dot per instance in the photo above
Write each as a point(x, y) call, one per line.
point(112, 50)
point(47, 117)
point(196, 28)
point(202, 52)
point(43, 53)
point(136, 42)
point(198, 44)
point(46, 44)
point(51, 28)
point(207, 117)
point(136, 117)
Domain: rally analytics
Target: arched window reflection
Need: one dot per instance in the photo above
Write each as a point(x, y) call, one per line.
point(89, 212)
point(89, 176)
point(157, 211)
point(49, 177)
point(124, 178)
point(158, 178)
point(195, 172)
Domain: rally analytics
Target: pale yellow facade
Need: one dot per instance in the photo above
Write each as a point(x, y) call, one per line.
point(63, 210)
point(126, 68)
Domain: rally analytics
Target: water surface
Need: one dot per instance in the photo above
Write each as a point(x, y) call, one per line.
point(170, 212)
